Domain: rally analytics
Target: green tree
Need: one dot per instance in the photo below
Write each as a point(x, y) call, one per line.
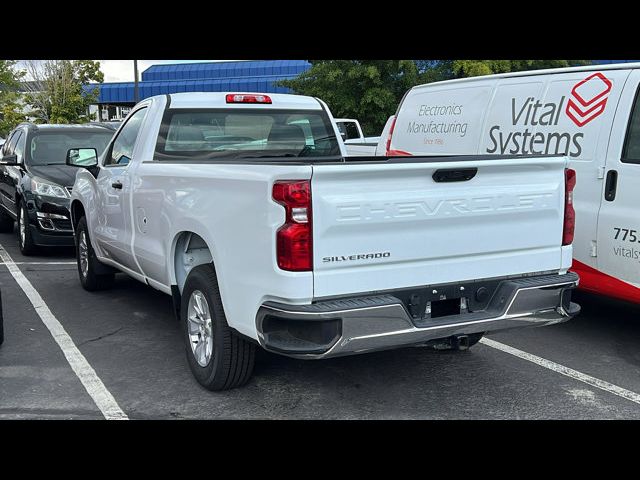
point(55, 90)
point(473, 68)
point(368, 90)
point(10, 108)
point(434, 70)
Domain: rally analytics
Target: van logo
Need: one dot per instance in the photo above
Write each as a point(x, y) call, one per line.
point(588, 99)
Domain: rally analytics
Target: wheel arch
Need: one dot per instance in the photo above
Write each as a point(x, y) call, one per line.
point(188, 251)
point(77, 212)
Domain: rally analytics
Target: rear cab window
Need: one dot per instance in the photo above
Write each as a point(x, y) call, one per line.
point(227, 134)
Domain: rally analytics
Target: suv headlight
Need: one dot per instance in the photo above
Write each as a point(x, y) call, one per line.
point(48, 189)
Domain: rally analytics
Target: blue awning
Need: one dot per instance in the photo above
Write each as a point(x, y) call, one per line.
point(123, 92)
point(250, 76)
point(252, 68)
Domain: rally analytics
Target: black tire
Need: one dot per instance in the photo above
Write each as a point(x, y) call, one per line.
point(232, 357)
point(27, 246)
point(91, 281)
point(448, 344)
point(6, 222)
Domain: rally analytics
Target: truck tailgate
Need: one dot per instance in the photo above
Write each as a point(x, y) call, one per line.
point(388, 225)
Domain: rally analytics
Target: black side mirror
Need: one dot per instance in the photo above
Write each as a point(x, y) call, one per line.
point(10, 160)
point(82, 157)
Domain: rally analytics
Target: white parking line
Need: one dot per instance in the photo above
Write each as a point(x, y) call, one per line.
point(40, 263)
point(87, 375)
point(569, 372)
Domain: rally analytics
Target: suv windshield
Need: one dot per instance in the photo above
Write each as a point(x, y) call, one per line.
point(246, 133)
point(50, 148)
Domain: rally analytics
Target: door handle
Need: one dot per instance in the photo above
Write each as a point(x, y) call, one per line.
point(610, 186)
point(454, 175)
point(117, 185)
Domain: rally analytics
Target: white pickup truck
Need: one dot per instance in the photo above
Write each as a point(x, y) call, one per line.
point(244, 208)
point(356, 144)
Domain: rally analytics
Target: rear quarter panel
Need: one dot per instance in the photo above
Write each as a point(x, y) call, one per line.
point(230, 207)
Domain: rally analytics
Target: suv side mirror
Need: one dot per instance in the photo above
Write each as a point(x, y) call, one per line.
point(82, 157)
point(10, 160)
point(343, 135)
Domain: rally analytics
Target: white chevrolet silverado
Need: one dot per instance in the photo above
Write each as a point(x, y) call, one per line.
point(245, 208)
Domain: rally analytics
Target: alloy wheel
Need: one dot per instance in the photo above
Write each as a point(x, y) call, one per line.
point(200, 328)
point(83, 254)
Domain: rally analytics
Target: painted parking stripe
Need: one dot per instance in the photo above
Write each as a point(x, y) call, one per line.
point(40, 263)
point(87, 375)
point(569, 372)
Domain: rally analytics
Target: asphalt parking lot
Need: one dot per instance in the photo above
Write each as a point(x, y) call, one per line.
point(587, 368)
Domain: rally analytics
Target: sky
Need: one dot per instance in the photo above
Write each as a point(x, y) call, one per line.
point(122, 70)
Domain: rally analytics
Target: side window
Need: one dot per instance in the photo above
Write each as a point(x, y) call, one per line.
point(20, 145)
point(12, 143)
point(7, 148)
point(631, 150)
point(122, 149)
point(352, 130)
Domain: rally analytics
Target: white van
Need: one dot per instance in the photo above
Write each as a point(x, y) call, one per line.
point(591, 114)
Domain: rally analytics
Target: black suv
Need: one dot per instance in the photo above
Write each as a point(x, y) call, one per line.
point(35, 182)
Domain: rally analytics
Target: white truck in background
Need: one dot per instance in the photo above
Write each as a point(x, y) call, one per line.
point(356, 144)
point(245, 208)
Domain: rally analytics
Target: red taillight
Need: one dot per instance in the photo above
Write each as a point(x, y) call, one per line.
point(569, 212)
point(247, 98)
point(294, 240)
point(394, 153)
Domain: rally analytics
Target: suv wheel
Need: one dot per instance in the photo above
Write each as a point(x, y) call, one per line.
point(25, 240)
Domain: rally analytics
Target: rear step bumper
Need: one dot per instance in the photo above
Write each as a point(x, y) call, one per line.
point(363, 324)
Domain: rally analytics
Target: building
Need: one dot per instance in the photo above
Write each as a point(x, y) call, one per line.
point(116, 98)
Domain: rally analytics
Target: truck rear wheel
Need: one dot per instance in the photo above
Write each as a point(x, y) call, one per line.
point(219, 358)
point(88, 264)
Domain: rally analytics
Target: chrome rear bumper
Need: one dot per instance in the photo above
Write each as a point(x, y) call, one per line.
point(357, 325)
